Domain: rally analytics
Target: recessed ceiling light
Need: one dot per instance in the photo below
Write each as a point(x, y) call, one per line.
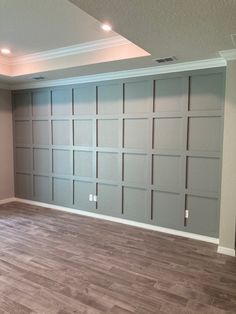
point(5, 51)
point(106, 27)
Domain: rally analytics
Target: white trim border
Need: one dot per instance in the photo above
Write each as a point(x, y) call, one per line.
point(7, 200)
point(120, 220)
point(228, 54)
point(171, 68)
point(226, 251)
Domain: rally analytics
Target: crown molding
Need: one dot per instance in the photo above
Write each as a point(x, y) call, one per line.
point(172, 68)
point(5, 86)
point(66, 51)
point(228, 54)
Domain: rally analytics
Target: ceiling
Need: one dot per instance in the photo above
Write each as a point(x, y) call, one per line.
point(63, 38)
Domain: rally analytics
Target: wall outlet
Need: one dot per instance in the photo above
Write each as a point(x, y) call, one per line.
point(95, 198)
point(90, 197)
point(186, 214)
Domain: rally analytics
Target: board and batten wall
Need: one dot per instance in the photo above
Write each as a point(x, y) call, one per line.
point(6, 147)
point(149, 148)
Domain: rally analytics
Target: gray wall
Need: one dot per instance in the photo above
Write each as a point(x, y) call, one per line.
point(6, 147)
point(149, 148)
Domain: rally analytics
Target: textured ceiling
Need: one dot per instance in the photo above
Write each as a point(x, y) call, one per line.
point(29, 26)
point(188, 29)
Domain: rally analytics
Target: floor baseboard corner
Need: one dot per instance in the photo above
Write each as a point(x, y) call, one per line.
point(226, 251)
point(7, 200)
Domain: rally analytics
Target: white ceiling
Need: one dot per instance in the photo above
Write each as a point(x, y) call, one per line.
point(188, 29)
point(30, 26)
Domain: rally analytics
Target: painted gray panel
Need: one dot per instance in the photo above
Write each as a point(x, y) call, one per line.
point(203, 174)
point(206, 92)
point(42, 188)
point(169, 94)
point(41, 132)
point(41, 160)
point(110, 99)
point(203, 215)
point(83, 162)
point(205, 133)
point(82, 190)
point(61, 132)
point(168, 133)
point(61, 161)
point(167, 172)
point(22, 105)
point(83, 132)
point(138, 96)
point(23, 185)
point(23, 159)
point(41, 102)
point(109, 200)
point(108, 166)
point(135, 204)
point(135, 168)
point(85, 100)
point(62, 101)
point(136, 133)
point(22, 132)
point(108, 133)
point(167, 210)
point(62, 193)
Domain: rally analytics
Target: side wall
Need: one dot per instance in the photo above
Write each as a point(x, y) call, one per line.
point(6, 147)
point(148, 148)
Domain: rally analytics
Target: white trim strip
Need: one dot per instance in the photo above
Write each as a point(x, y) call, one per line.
point(226, 251)
point(171, 68)
point(123, 221)
point(228, 54)
point(7, 200)
point(4, 86)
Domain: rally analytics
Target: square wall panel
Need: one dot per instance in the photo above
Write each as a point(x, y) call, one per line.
point(61, 132)
point(83, 163)
point(168, 133)
point(85, 100)
point(41, 134)
point(169, 95)
point(109, 200)
point(205, 133)
point(138, 97)
point(203, 174)
point(110, 99)
point(23, 185)
point(136, 133)
point(167, 210)
point(62, 101)
point(206, 92)
point(203, 215)
point(83, 133)
point(82, 189)
point(41, 102)
point(42, 188)
point(62, 193)
point(22, 105)
point(167, 172)
point(108, 166)
point(108, 133)
point(135, 168)
point(22, 132)
point(23, 159)
point(61, 161)
point(41, 160)
point(135, 204)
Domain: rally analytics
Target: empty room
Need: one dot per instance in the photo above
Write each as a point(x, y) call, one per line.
point(117, 156)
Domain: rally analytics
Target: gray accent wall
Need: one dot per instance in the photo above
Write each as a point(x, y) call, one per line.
point(149, 148)
point(6, 148)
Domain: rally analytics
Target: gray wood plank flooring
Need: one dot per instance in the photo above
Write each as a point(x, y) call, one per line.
point(58, 263)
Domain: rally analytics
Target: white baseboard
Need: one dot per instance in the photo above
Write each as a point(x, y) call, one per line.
point(226, 251)
point(123, 221)
point(7, 200)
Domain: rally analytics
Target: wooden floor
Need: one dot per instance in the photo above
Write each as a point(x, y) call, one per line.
point(54, 262)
